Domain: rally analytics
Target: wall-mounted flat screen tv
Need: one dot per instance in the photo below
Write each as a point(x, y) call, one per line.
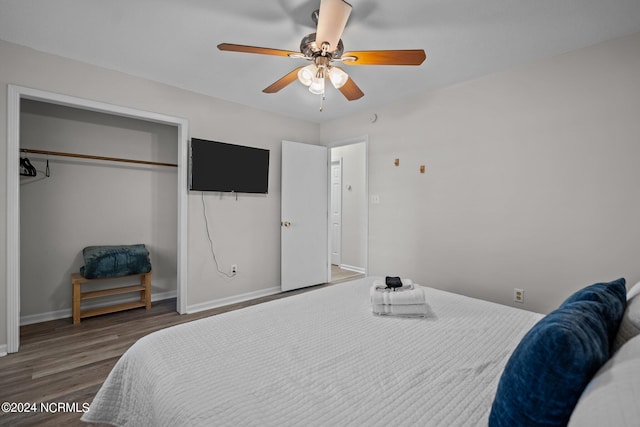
point(219, 166)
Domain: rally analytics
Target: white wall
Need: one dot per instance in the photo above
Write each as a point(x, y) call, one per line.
point(245, 232)
point(531, 182)
point(354, 203)
point(86, 202)
point(531, 175)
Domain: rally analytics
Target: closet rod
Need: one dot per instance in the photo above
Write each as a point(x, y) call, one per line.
point(86, 156)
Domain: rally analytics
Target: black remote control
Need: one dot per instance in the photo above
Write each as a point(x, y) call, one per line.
point(393, 282)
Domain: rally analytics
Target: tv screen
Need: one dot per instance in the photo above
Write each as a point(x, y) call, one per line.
point(218, 166)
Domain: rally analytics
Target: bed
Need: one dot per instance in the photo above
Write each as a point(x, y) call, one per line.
point(316, 359)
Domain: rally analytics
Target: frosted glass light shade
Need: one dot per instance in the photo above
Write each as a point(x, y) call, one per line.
point(338, 77)
point(307, 74)
point(317, 86)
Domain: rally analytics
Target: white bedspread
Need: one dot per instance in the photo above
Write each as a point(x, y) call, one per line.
point(319, 358)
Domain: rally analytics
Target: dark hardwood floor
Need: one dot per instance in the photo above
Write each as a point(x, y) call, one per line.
point(64, 364)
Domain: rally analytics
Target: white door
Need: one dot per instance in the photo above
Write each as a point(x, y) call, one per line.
point(304, 216)
point(336, 211)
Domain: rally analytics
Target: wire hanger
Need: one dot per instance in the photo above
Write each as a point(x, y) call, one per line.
point(26, 168)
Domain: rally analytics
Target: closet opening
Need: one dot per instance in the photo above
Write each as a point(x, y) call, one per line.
point(72, 202)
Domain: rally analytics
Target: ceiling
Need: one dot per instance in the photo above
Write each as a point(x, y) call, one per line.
point(174, 42)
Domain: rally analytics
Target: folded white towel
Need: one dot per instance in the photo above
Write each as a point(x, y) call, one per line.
point(413, 295)
point(408, 310)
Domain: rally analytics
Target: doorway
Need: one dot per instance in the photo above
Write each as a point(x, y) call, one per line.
point(348, 207)
point(15, 95)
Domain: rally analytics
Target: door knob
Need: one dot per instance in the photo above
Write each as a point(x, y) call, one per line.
point(285, 224)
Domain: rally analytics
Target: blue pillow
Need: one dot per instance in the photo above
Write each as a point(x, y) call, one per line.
point(557, 358)
point(599, 292)
point(613, 295)
point(114, 261)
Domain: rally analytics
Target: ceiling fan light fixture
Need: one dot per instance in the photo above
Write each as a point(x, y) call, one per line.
point(323, 48)
point(338, 77)
point(317, 86)
point(307, 74)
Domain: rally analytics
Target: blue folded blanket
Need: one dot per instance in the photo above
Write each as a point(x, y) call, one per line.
point(115, 261)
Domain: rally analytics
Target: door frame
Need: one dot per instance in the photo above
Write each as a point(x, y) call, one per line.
point(340, 143)
point(14, 94)
point(332, 244)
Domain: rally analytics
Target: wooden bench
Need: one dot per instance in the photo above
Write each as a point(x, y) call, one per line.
point(78, 296)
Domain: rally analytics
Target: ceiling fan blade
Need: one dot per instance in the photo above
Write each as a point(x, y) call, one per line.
point(255, 49)
point(332, 19)
point(385, 57)
point(351, 91)
point(284, 81)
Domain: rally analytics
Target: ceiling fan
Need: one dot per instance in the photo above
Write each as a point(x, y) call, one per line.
point(324, 48)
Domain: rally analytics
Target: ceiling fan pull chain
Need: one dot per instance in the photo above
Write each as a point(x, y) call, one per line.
point(322, 102)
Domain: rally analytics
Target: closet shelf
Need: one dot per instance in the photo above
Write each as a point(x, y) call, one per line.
point(87, 156)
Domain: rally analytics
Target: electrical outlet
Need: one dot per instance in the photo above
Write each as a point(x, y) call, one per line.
point(518, 295)
point(234, 269)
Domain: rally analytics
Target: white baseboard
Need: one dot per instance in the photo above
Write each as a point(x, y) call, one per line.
point(231, 300)
point(352, 268)
point(3, 350)
point(66, 312)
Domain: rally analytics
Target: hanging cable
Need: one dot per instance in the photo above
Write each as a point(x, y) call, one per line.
point(213, 254)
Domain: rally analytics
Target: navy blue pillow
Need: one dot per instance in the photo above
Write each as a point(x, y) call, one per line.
point(613, 295)
point(557, 358)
